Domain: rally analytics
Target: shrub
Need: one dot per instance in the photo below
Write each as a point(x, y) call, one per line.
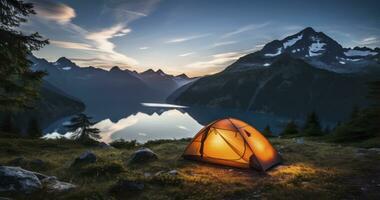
point(124, 144)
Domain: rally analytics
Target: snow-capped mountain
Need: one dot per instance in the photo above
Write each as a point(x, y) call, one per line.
point(305, 72)
point(317, 49)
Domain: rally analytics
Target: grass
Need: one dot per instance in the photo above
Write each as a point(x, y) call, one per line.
point(312, 170)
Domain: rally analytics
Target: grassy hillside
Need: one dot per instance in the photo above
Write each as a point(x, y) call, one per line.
point(311, 170)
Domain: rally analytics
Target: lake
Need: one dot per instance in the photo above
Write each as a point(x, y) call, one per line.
point(152, 121)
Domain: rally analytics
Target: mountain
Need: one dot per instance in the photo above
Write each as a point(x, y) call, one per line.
point(290, 77)
point(102, 90)
point(163, 82)
point(317, 49)
point(52, 105)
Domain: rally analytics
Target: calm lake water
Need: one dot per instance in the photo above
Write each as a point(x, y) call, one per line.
point(152, 121)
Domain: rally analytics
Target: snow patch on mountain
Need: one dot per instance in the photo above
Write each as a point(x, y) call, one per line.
point(66, 68)
point(316, 48)
point(291, 42)
point(353, 52)
point(279, 50)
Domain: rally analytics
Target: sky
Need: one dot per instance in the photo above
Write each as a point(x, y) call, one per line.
point(195, 37)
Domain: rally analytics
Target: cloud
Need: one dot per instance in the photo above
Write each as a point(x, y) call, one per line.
point(185, 39)
point(101, 38)
point(218, 44)
point(54, 11)
point(217, 60)
point(102, 43)
point(186, 54)
point(144, 48)
point(72, 45)
point(128, 11)
point(246, 28)
point(368, 41)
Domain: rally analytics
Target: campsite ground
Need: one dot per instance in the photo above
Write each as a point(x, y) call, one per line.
point(311, 170)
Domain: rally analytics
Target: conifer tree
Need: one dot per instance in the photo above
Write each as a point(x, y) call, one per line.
point(267, 131)
point(290, 129)
point(19, 85)
point(82, 127)
point(312, 125)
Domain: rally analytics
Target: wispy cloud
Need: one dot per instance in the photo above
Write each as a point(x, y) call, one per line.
point(218, 44)
point(246, 28)
point(102, 43)
point(185, 39)
point(54, 11)
point(144, 48)
point(217, 60)
point(128, 11)
point(186, 54)
point(72, 45)
point(368, 41)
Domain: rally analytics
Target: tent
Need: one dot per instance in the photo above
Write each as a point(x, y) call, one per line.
point(234, 143)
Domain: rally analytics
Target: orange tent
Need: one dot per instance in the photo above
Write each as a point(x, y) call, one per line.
point(234, 143)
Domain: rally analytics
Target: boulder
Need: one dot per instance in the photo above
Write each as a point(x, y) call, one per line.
point(142, 155)
point(52, 184)
point(18, 180)
point(173, 172)
point(85, 158)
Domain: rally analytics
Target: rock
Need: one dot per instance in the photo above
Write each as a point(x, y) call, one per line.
point(85, 158)
point(126, 186)
point(52, 184)
point(18, 180)
point(142, 155)
point(40, 176)
point(300, 141)
point(375, 150)
point(147, 174)
point(159, 173)
point(173, 172)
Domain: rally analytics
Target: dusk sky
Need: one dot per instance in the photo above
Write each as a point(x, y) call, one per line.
point(190, 36)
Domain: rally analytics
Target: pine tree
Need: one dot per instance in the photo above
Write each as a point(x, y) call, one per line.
point(290, 129)
point(312, 126)
point(267, 131)
point(19, 85)
point(81, 126)
point(34, 130)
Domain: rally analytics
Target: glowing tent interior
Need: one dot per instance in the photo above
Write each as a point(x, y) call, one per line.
point(234, 143)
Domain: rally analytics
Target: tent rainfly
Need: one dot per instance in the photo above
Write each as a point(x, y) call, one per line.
point(233, 143)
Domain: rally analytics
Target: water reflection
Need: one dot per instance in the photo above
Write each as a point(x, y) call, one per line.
point(155, 121)
point(171, 124)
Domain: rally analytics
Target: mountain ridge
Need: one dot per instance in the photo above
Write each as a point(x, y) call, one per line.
point(291, 84)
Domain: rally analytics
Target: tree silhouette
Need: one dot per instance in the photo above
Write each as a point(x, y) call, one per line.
point(81, 126)
point(19, 84)
point(34, 129)
point(290, 129)
point(312, 126)
point(267, 131)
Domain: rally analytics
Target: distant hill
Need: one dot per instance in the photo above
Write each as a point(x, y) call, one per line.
point(52, 105)
point(301, 73)
point(101, 89)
